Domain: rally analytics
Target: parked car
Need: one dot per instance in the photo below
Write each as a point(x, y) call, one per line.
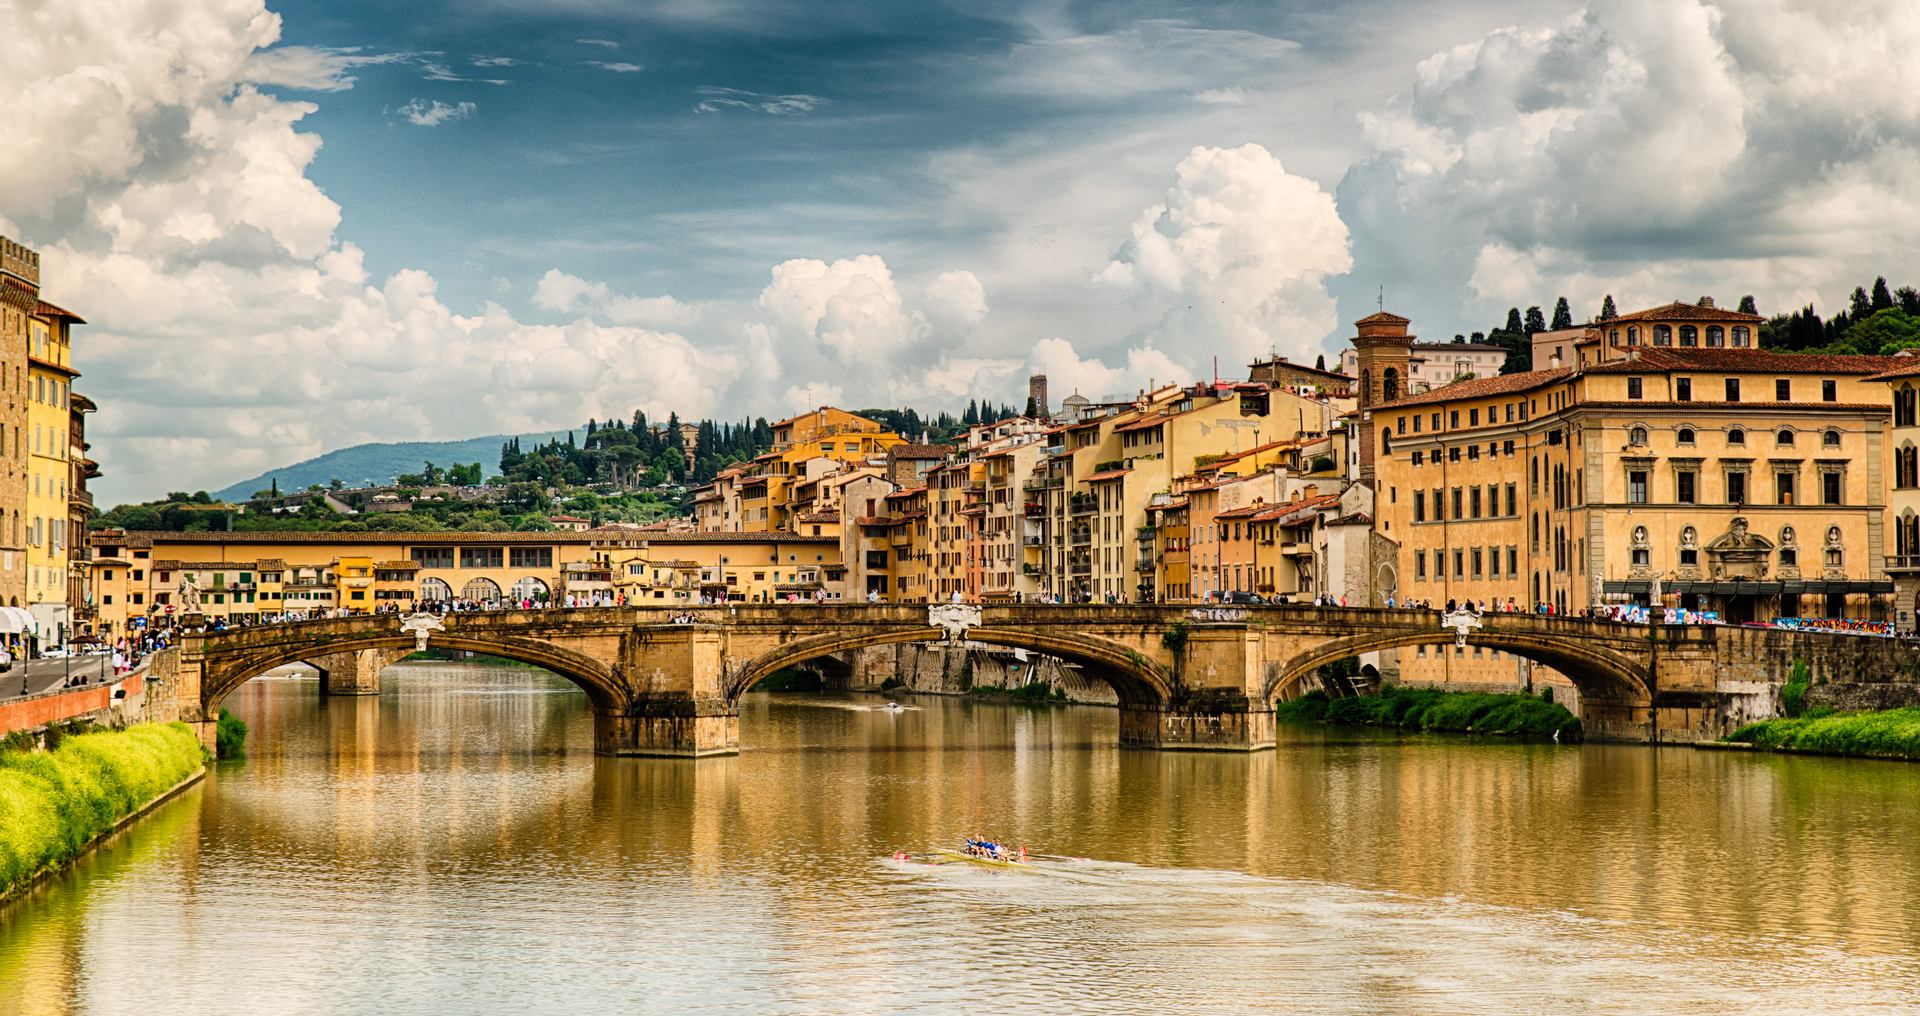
point(1244, 598)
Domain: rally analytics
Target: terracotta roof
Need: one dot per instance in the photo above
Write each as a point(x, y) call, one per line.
point(1745, 361)
point(918, 451)
point(906, 492)
point(394, 565)
point(1499, 384)
point(1911, 369)
point(1850, 407)
point(1178, 502)
point(1281, 511)
point(45, 309)
point(142, 539)
point(1111, 474)
point(1281, 361)
point(819, 516)
point(879, 520)
point(1381, 315)
point(1677, 311)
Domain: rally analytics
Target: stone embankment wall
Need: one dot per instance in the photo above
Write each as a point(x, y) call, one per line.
point(118, 703)
point(942, 669)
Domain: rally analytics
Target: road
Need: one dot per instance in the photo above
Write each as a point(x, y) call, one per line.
point(42, 675)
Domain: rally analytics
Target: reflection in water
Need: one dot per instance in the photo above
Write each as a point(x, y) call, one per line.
point(454, 846)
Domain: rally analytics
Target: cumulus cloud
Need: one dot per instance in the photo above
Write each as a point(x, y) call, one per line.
point(1653, 149)
point(425, 113)
point(603, 43)
point(616, 67)
point(1237, 254)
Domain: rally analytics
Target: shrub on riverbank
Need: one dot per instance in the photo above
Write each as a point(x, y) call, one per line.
point(1891, 733)
point(1431, 709)
point(229, 735)
point(53, 803)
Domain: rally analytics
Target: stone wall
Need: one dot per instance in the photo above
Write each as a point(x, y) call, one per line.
point(942, 669)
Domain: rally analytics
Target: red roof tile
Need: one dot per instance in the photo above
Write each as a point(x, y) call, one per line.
point(1499, 384)
point(1748, 361)
point(1678, 311)
point(1111, 474)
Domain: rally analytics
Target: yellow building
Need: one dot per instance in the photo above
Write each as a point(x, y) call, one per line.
point(1902, 470)
point(49, 466)
point(257, 576)
point(19, 305)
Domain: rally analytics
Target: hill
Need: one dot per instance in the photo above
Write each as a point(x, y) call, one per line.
point(379, 462)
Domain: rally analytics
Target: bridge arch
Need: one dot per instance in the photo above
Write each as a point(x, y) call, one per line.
point(602, 683)
point(1135, 680)
point(1598, 673)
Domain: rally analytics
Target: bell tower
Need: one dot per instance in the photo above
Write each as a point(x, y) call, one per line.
point(1385, 354)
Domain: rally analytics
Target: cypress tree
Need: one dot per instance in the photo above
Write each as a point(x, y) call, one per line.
point(1562, 314)
point(1607, 313)
point(1861, 306)
point(1320, 362)
point(1747, 305)
point(1513, 321)
point(1882, 299)
point(1536, 321)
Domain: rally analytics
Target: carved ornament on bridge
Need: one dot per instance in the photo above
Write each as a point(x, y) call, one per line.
point(1461, 621)
point(419, 625)
point(954, 618)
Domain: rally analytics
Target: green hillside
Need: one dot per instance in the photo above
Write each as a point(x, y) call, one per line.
point(379, 463)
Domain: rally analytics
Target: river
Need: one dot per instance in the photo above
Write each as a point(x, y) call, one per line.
point(454, 846)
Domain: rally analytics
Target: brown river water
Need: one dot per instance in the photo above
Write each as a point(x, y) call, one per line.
point(454, 846)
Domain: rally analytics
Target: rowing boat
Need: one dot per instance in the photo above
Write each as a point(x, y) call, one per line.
point(991, 862)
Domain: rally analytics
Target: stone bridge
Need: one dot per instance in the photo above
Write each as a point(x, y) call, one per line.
point(666, 681)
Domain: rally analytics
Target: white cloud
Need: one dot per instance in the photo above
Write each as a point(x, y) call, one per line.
point(717, 100)
point(425, 113)
point(1652, 149)
point(604, 43)
point(616, 67)
point(1237, 256)
point(494, 61)
point(1141, 59)
point(312, 68)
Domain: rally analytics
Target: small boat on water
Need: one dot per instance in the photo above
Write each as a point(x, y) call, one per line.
point(1009, 861)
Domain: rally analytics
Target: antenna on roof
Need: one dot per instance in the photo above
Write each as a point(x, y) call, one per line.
point(1380, 302)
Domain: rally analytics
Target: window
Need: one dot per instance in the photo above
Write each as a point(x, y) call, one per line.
point(1513, 561)
point(1684, 486)
point(1736, 436)
point(1663, 335)
point(1633, 336)
point(1782, 390)
point(1689, 548)
point(1716, 336)
point(1642, 554)
point(1733, 389)
point(433, 557)
point(1637, 436)
point(531, 557)
point(1476, 502)
point(1830, 439)
point(1683, 389)
point(1829, 392)
point(1633, 388)
point(1906, 470)
point(1684, 435)
point(1736, 487)
point(1830, 488)
point(1459, 564)
point(1689, 335)
point(1636, 486)
point(1783, 488)
point(1473, 418)
point(1419, 506)
point(482, 557)
point(1458, 504)
point(1513, 501)
point(1740, 336)
point(1420, 565)
point(1453, 418)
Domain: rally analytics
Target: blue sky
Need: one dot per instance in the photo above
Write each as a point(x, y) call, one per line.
point(295, 225)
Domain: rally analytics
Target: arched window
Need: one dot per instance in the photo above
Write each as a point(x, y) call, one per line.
point(1684, 436)
point(1663, 335)
point(1637, 436)
point(1736, 436)
point(1830, 439)
point(1906, 539)
point(1613, 337)
point(1784, 437)
point(1903, 406)
point(1906, 466)
point(530, 588)
point(1386, 440)
point(1633, 336)
point(1716, 336)
point(1689, 335)
point(1389, 384)
point(435, 591)
point(1740, 335)
point(1366, 387)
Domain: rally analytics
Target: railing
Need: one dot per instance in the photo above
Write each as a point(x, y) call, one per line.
point(1031, 541)
point(1034, 509)
point(1085, 507)
point(1080, 536)
point(1080, 568)
point(1902, 561)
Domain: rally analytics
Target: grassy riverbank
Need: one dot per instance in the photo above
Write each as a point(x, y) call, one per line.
point(1037, 691)
point(1892, 733)
point(1428, 709)
point(54, 803)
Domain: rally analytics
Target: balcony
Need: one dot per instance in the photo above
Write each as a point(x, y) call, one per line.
point(1030, 541)
point(1903, 562)
point(1033, 509)
point(1080, 537)
point(1296, 549)
point(1084, 506)
point(1080, 568)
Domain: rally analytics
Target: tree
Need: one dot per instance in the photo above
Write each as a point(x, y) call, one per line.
point(1033, 408)
point(1320, 362)
point(1909, 298)
point(1861, 307)
point(1513, 321)
point(1607, 313)
point(1457, 337)
point(1881, 299)
point(1886, 331)
point(1562, 314)
point(1704, 301)
point(336, 484)
point(1747, 306)
point(1536, 321)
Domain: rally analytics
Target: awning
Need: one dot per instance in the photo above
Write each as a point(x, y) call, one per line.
point(1744, 587)
point(14, 620)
